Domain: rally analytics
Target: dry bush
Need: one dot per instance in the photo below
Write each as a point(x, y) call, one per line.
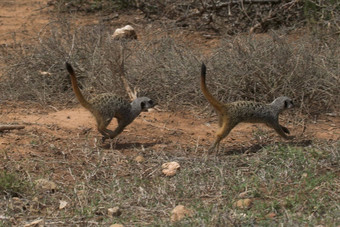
point(242, 68)
point(169, 70)
point(323, 17)
point(94, 55)
point(229, 17)
point(222, 16)
point(157, 68)
point(264, 68)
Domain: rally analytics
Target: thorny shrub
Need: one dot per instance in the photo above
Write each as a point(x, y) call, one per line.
point(241, 68)
point(224, 17)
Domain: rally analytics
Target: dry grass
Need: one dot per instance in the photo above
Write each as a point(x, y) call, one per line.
point(261, 69)
point(241, 68)
point(298, 183)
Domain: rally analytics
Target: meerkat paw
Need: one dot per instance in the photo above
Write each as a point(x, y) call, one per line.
point(212, 149)
point(285, 129)
point(103, 139)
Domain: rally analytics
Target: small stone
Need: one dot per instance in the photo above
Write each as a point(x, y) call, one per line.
point(170, 168)
point(45, 185)
point(116, 225)
point(114, 212)
point(180, 212)
point(139, 159)
point(243, 203)
point(62, 204)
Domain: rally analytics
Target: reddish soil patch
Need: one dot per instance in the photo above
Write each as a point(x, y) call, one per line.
point(154, 129)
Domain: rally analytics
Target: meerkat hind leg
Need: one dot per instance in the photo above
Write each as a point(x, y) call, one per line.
point(223, 132)
point(285, 129)
point(101, 126)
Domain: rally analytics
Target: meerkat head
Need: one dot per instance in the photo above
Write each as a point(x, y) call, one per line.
point(283, 103)
point(143, 103)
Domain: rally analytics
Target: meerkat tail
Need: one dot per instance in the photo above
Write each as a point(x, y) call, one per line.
point(75, 87)
point(214, 102)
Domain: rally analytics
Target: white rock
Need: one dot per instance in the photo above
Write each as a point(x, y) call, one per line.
point(127, 32)
point(62, 204)
point(170, 168)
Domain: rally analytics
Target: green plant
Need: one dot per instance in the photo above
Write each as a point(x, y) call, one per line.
point(11, 184)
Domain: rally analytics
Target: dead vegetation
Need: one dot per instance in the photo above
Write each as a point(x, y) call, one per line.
point(223, 17)
point(288, 184)
point(244, 68)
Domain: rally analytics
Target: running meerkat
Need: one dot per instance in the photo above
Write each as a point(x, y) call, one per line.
point(106, 106)
point(230, 114)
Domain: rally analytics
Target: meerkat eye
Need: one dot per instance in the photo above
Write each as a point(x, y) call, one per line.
point(286, 104)
point(142, 105)
point(151, 102)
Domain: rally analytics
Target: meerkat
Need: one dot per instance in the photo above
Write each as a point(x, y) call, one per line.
point(106, 106)
point(230, 114)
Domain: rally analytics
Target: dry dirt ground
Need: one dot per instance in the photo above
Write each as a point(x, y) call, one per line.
point(61, 129)
point(157, 130)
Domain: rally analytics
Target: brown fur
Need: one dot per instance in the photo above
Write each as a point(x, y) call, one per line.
point(230, 114)
point(106, 106)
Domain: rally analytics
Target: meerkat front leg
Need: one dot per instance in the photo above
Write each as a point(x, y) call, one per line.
point(281, 130)
point(118, 130)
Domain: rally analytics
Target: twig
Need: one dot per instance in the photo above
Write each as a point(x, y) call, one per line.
point(132, 94)
point(10, 127)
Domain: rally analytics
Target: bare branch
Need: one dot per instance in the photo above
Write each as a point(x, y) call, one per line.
point(10, 127)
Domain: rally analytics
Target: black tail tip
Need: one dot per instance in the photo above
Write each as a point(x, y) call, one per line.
point(203, 68)
point(69, 67)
